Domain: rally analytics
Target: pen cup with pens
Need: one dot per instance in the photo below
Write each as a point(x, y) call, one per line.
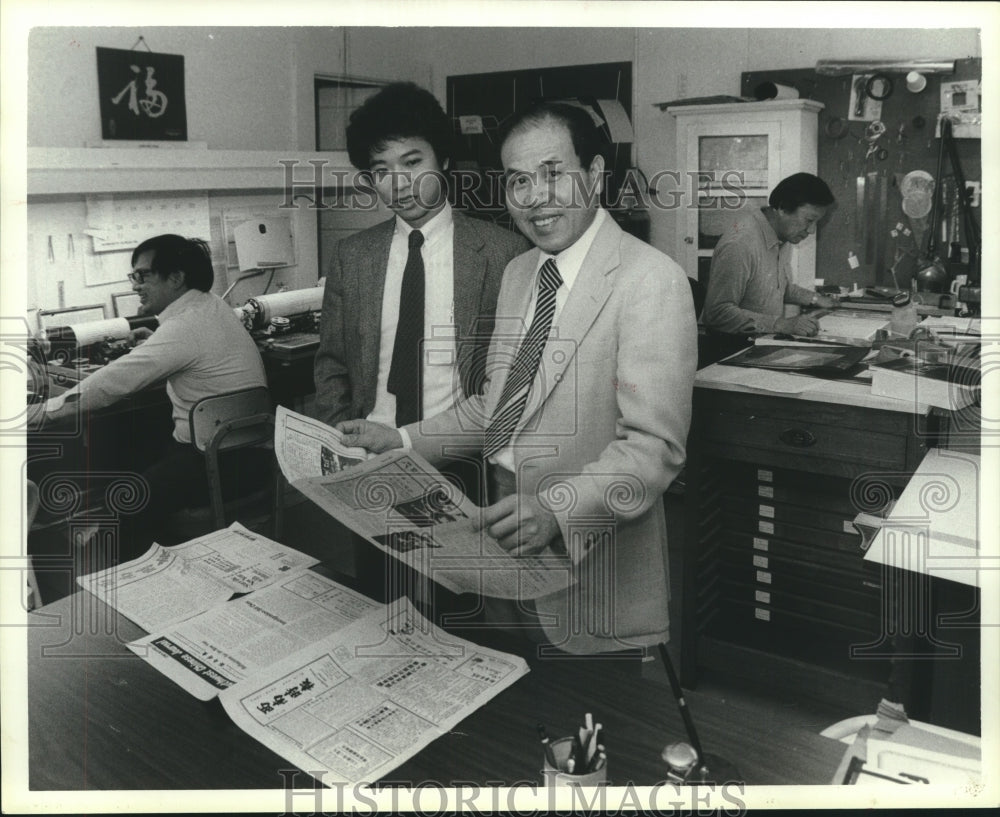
point(577, 760)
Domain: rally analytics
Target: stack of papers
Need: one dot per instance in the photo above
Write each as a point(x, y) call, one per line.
point(851, 328)
point(946, 386)
point(939, 537)
point(911, 753)
point(950, 325)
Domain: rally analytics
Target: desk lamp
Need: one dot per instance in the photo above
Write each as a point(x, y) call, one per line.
point(262, 245)
point(932, 275)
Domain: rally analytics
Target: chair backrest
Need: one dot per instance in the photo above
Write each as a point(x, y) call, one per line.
point(209, 413)
point(697, 294)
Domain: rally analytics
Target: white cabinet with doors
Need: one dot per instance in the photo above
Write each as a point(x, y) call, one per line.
point(731, 156)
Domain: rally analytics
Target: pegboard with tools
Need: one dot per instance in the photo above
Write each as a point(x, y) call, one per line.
point(879, 144)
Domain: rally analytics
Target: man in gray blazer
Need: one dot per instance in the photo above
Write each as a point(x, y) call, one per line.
point(366, 366)
point(585, 418)
point(409, 303)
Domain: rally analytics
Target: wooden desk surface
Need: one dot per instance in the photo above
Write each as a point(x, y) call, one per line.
point(841, 392)
point(101, 718)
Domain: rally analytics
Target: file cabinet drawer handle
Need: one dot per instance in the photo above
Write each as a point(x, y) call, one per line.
point(798, 437)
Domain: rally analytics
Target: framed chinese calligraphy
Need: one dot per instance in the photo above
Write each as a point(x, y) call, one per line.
point(142, 95)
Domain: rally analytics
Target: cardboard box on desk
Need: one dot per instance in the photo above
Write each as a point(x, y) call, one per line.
point(944, 385)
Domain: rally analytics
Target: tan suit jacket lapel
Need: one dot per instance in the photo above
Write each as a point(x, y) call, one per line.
point(590, 292)
point(510, 328)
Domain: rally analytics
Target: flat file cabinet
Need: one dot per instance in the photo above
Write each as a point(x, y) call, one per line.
point(773, 569)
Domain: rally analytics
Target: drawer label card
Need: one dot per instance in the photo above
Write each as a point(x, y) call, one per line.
point(759, 543)
point(765, 527)
point(762, 596)
point(764, 475)
point(764, 576)
point(766, 491)
point(763, 615)
point(760, 561)
point(767, 510)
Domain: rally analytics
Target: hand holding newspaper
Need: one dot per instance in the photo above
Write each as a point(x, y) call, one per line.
point(406, 508)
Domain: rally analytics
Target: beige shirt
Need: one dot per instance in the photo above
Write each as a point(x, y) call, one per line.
point(200, 348)
point(750, 278)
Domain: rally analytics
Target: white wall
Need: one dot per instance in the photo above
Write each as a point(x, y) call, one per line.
point(240, 83)
point(245, 88)
point(668, 64)
point(252, 87)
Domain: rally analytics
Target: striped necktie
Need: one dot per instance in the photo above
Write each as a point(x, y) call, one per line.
point(522, 372)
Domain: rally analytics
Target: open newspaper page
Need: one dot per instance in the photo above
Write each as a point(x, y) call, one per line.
point(169, 584)
point(305, 447)
point(403, 505)
point(220, 647)
point(350, 709)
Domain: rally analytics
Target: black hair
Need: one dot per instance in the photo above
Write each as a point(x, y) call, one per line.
point(798, 189)
point(400, 110)
point(174, 253)
point(584, 134)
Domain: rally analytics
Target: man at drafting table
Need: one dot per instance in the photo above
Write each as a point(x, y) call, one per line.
point(200, 349)
point(750, 278)
point(584, 420)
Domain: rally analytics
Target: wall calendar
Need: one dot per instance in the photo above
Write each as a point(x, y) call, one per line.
point(118, 222)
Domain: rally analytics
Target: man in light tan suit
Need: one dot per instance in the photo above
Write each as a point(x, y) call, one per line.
point(585, 416)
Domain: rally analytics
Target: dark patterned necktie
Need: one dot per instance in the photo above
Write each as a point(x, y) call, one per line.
point(522, 372)
point(406, 371)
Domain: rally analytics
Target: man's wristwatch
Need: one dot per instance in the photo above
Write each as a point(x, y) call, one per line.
point(814, 300)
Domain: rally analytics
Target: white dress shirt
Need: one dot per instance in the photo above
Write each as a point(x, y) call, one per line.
point(441, 384)
point(568, 262)
point(200, 348)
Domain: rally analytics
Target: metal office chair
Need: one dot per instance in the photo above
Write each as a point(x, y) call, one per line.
point(226, 422)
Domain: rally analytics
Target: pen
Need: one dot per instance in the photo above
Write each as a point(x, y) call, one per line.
point(550, 757)
point(675, 687)
point(578, 751)
point(592, 745)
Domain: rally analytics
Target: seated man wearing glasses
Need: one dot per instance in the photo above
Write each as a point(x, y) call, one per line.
point(200, 349)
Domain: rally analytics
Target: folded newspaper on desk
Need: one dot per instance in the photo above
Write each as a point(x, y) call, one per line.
point(353, 706)
point(170, 584)
point(406, 508)
point(342, 687)
point(231, 641)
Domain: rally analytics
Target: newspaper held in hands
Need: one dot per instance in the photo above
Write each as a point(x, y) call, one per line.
point(400, 503)
point(352, 707)
point(305, 447)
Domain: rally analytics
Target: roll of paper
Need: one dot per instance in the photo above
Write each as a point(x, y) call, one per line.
point(283, 304)
point(772, 90)
point(96, 331)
